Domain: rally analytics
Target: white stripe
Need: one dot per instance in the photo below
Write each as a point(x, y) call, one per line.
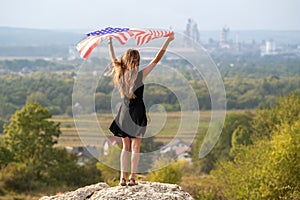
point(93, 41)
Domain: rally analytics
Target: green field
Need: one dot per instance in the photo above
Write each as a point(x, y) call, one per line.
point(171, 121)
point(164, 125)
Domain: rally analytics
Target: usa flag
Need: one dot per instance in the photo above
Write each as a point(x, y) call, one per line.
point(94, 38)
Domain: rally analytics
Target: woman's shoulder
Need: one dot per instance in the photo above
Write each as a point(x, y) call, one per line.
point(140, 77)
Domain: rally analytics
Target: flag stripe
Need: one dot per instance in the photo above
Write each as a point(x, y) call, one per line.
point(91, 44)
point(121, 37)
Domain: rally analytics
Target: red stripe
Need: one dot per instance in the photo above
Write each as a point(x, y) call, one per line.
point(156, 33)
point(137, 34)
point(91, 47)
point(148, 38)
point(142, 39)
point(138, 39)
point(84, 43)
point(133, 33)
point(121, 37)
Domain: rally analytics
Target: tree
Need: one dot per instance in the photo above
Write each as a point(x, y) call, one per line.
point(30, 159)
point(5, 156)
point(281, 177)
point(39, 97)
point(29, 139)
point(2, 122)
point(286, 110)
point(236, 129)
point(268, 168)
point(264, 170)
point(240, 136)
point(30, 135)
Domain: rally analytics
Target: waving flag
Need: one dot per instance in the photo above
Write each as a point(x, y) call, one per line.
point(86, 46)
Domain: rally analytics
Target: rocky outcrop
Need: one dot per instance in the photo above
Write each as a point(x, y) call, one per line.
point(142, 191)
point(79, 194)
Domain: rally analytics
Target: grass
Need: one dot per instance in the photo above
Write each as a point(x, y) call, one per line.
point(164, 132)
point(163, 125)
point(49, 191)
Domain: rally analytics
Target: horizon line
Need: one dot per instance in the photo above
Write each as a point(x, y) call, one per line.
point(86, 29)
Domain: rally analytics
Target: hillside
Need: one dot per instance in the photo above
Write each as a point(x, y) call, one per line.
point(37, 37)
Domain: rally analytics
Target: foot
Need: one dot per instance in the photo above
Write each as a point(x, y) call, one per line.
point(132, 182)
point(122, 182)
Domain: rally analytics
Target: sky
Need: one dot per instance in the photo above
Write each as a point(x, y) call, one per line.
point(95, 14)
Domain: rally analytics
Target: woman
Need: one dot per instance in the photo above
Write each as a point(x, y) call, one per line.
point(130, 122)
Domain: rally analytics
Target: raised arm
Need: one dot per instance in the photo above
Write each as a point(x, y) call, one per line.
point(158, 57)
point(111, 50)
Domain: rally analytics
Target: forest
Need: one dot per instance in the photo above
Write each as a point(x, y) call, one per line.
point(256, 156)
point(248, 84)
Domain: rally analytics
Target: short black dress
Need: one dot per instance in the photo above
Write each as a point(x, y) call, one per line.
point(131, 120)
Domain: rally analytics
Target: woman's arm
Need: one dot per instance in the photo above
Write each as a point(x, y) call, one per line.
point(158, 57)
point(111, 50)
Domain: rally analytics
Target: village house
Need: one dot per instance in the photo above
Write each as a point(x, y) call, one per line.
point(180, 148)
point(84, 153)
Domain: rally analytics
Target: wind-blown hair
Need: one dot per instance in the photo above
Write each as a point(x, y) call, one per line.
point(125, 72)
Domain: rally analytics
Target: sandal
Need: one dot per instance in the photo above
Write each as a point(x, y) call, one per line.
point(122, 182)
point(132, 182)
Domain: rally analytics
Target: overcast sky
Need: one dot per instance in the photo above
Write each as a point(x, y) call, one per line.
point(95, 14)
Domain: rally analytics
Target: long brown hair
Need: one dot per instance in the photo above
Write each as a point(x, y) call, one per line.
point(126, 71)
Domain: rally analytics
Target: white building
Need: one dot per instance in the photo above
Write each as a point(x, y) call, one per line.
point(224, 43)
point(180, 148)
point(269, 48)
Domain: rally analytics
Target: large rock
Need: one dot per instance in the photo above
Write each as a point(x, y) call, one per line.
point(142, 191)
point(81, 193)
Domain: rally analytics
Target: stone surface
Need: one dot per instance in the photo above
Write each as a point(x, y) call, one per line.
point(144, 190)
point(79, 194)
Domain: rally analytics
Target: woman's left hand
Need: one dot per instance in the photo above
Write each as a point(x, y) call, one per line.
point(171, 37)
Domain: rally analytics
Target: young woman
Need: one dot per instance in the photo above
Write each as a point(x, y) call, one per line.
point(130, 122)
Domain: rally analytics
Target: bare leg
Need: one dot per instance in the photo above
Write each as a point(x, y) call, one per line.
point(135, 156)
point(124, 157)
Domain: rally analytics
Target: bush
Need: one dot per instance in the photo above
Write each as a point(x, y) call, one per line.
point(110, 173)
point(268, 168)
point(169, 174)
point(202, 187)
point(18, 177)
point(2, 122)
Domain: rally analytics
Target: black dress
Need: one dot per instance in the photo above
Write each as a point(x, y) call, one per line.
point(131, 120)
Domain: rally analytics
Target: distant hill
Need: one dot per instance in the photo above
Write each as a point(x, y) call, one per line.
point(37, 37)
point(24, 42)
